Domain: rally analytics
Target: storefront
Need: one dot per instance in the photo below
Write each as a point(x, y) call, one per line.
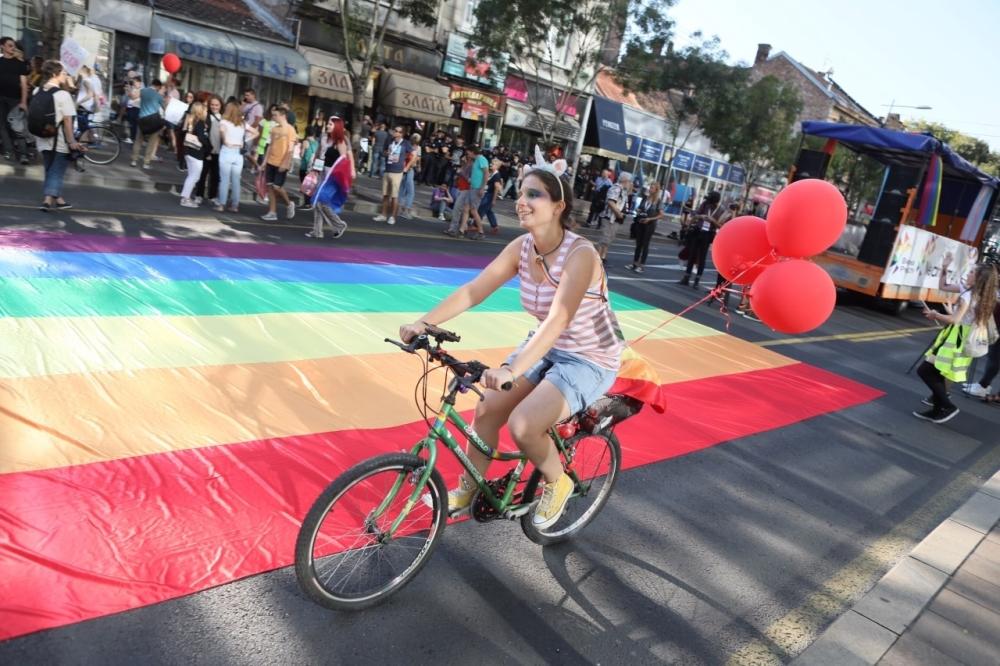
point(522, 127)
point(476, 91)
point(412, 100)
point(605, 138)
point(225, 63)
point(126, 26)
point(330, 89)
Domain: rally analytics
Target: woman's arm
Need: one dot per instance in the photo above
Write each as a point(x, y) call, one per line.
point(954, 317)
point(579, 273)
point(943, 277)
point(343, 149)
point(495, 275)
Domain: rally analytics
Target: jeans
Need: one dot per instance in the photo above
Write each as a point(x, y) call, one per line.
point(378, 164)
point(992, 365)
point(12, 143)
point(643, 237)
point(486, 210)
point(132, 117)
point(407, 190)
point(511, 185)
point(55, 171)
point(230, 170)
point(208, 184)
point(194, 167)
point(82, 120)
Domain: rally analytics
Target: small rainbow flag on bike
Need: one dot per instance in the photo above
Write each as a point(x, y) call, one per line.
point(172, 408)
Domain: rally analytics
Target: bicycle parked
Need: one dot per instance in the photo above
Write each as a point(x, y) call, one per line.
point(372, 530)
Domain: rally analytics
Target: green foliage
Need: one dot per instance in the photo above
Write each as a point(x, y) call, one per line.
point(975, 150)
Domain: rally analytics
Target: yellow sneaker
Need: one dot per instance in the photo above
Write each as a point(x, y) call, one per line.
point(460, 498)
point(554, 497)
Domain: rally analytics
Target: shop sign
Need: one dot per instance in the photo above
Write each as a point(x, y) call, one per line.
point(702, 166)
point(516, 89)
point(407, 100)
point(651, 151)
point(475, 103)
point(328, 79)
point(720, 170)
point(683, 160)
point(405, 58)
point(632, 144)
point(737, 174)
point(461, 62)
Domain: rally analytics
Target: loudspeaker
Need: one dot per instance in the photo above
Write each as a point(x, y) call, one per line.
point(878, 242)
point(898, 182)
point(810, 164)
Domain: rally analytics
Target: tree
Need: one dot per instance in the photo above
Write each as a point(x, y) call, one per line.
point(364, 24)
point(50, 15)
point(531, 35)
point(754, 125)
point(696, 79)
point(975, 150)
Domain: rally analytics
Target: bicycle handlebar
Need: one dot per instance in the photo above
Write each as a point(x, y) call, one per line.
point(467, 372)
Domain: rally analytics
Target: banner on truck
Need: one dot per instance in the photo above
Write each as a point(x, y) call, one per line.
point(918, 255)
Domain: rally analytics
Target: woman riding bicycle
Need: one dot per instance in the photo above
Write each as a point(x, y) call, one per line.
point(568, 361)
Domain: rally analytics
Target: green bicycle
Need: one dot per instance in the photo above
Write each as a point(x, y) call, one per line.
point(372, 530)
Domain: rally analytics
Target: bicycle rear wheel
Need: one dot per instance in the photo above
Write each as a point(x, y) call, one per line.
point(102, 143)
point(344, 559)
point(596, 460)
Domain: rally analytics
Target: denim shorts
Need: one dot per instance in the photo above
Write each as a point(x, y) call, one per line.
point(580, 381)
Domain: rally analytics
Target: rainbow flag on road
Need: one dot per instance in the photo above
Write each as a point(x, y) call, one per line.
point(170, 409)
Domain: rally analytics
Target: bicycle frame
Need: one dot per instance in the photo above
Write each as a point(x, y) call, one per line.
point(440, 432)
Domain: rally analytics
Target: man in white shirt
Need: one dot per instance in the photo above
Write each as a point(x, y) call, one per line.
point(56, 149)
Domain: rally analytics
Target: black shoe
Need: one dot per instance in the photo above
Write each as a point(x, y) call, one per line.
point(694, 285)
point(685, 281)
point(937, 415)
point(45, 207)
point(929, 400)
point(65, 205)
point(25, 160)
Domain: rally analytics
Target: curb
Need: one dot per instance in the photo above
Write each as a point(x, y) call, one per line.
point(866, 632)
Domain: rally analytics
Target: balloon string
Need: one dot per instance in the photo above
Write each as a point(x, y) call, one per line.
point(715, 293)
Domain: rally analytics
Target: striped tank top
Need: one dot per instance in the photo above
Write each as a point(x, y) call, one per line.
point(594, 332)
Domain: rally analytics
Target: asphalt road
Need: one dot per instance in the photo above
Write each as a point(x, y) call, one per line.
point(740, 553)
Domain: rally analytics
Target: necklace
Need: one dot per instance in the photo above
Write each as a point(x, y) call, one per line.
point(540, 256)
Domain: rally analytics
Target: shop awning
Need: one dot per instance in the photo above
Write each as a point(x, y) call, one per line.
point(412, 96)
point(227, 50)
point(606, 130)
point(521, 115)
point(328, 77)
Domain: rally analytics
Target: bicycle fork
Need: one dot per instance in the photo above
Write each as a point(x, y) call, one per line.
point(418, 487)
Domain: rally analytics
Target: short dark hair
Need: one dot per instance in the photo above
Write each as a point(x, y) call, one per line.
point(280, 110)
point(250, 90)
point(4, 40)
point(51, 68)
point(156, 83)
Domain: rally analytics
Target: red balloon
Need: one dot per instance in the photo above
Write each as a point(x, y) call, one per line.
point(793, 296)
point(171, 63)
point(806, 218)
point(740, 244)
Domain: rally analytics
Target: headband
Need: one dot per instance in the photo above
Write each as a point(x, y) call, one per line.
point(557, 169)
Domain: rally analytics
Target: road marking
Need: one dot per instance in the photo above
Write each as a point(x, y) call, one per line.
point(797, 629)
point(269, 225)
point(854, 337)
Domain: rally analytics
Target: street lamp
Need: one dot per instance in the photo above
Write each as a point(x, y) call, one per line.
point(893, 105)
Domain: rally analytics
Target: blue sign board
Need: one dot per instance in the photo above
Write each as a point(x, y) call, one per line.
point(720, 170)
point(632, 142)
point(651, 151)
point(737, 174)
point(683, 160)
point(702, 166)
point(610, 122)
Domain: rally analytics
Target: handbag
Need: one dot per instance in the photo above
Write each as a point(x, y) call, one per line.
point(980, 337)
point(308, 186)
point(150, 124)
point(260, 185)
point(192, 141)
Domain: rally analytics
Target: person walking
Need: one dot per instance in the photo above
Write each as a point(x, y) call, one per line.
point(707, 220)
point(408, 189)
point(197, 145)
point(456, 152)
point(150, 123)
point(615, 210)
point(947, 360)
point(89, 98)
point(493, 186)
point(253, 115)
point(59, 142)
point(396, 157)
point(330, 196)
point(278, 162)
point(208, 183)
point(133, 88)
point(379, 139)
point(647, 214)
point(598, 197)
point(232, 136)
point(981, 389)
point(13, 95)
point(310, 146)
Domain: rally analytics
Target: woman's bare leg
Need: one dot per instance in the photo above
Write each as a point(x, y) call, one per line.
point(529, 424)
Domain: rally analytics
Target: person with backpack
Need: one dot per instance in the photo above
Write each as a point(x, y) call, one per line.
point(50, 120)
point(599, 197)
point(13, 95)
point(150, 123)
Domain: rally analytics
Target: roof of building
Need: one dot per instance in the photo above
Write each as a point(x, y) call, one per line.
point(834, 91)
point(246, 16)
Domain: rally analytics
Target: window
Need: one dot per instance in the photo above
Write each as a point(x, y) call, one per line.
point(559, 52)
point(469, 19)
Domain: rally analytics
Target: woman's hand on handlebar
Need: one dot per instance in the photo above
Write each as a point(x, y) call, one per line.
point(498, 379)
point(409, 331)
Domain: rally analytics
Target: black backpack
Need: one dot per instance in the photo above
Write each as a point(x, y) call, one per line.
point(42, 114)
point(600, 197)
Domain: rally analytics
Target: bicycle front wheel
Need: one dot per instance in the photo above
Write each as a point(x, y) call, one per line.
point(595, 459)
point(345, 558)
point(102, 144)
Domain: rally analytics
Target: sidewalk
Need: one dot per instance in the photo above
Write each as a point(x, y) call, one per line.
point(939, 606)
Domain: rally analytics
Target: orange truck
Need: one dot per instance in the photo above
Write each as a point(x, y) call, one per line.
point(932, 202)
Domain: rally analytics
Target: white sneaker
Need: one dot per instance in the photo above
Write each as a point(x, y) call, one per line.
point(391, 221)
point(269, 217)
point(291, 210)
point(189, 203)
point(441, 217)
point(379, 218)
point(976, 390)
